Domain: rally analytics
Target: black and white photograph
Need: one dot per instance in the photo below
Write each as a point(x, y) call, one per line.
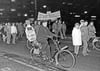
point(49, 35)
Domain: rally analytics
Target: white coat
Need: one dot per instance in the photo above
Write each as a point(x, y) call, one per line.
point(76, 37)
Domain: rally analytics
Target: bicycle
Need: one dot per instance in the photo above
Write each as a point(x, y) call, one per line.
point(62, 57)
point(96, 43)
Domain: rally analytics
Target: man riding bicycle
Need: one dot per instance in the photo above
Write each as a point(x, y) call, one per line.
point(42, 36)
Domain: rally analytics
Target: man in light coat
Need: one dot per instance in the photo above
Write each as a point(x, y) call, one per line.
point(13, 32)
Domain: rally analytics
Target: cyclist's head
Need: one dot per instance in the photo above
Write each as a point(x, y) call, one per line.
point(44, 24)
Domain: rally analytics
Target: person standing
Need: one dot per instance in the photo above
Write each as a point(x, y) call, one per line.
point(20, 30)
point(92, 30)
point(76, 38)
point(59, 29)
point(85, 37)
point(13, 32)
point(55, 27)
point(63, 28)
point(8, 33)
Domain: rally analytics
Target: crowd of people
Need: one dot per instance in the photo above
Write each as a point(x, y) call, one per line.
point(43, 32)
point(81, 34)
point(11, 31)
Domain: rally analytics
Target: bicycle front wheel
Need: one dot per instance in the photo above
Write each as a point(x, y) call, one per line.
point(65, 59)
point(97, 45)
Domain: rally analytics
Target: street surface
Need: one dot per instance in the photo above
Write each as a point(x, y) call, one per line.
point(21, 53)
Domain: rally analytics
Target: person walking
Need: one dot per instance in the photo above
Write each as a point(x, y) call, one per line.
point(76, 38)
point(20, 30)
point(8, 33)
point(63, 28)
point(13, 33)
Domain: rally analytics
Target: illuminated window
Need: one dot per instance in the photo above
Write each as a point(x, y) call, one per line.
point(1, 13)
point(32, 2)
point(13, 10)
point(18, 14)
point(1, 9)
point(13, 0)
point(25, 15)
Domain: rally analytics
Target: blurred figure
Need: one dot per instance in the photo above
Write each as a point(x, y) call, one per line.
point(37, 26)
point(59, 29)
point(55, 27)
point(5, 32)
point(20, 30)
point(8, 33)
point(85, 37)
point(63, 28)
point(1, 27)
point(76, 38)
point(92, 30)
point(13, 33)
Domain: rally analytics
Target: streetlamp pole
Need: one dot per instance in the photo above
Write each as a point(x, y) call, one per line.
point(35, 9)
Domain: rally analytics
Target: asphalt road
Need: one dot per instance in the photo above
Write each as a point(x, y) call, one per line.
point(83, 63)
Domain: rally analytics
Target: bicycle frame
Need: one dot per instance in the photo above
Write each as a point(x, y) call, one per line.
point(58, 45)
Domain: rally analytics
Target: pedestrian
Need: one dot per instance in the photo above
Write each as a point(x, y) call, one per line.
point(8, 32)
point(76, 38)
point(92, 30)
point(13, 33)
point(5, 32)
point(85, 37)
point(55, 27)
point(59, 29)
point(63, 28)
point(20, 30)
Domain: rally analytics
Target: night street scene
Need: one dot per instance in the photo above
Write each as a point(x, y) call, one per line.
point(49, 35)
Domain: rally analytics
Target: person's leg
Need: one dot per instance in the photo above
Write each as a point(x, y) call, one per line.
point(13, 38)
point(61, 34)
point(8, 38)
point(85, 45)
point(77, 50)
point(52, 50)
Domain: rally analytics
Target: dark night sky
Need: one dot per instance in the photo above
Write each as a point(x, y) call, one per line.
point(66, 6)
point(22, 7)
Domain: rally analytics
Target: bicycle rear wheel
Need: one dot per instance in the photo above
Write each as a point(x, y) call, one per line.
point(65, 59)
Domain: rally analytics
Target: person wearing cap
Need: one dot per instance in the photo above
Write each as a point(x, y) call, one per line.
point(76, 38)
point(42, 36)
point(85, 37)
